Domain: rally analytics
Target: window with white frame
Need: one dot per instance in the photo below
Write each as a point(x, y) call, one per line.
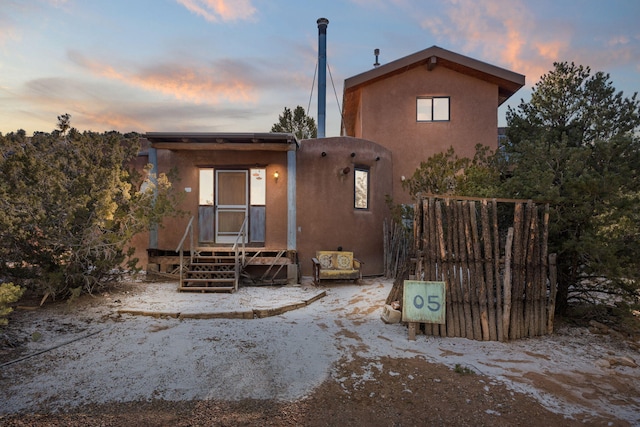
point(361, 188)
point(206, 187)
point(432, 108)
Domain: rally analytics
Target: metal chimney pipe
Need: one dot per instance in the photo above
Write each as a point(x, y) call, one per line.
point(322, 75)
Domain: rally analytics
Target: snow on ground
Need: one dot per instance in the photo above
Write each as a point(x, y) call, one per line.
point(125, 357)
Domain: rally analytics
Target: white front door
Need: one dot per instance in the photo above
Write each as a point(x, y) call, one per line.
point(231, 204)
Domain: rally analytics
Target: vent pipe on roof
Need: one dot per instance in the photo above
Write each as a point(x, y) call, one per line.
point(376, 52)
point(322, 74)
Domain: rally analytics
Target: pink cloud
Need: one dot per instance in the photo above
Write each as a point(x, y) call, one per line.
point(194, 84)
point(106, 119)
point(550, 50)
point(504, 32)
point(225, 10)
point(618, 40)
point(187, 82)
point(14, 13)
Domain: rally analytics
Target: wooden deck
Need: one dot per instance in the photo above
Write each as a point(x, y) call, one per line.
point(212, 268)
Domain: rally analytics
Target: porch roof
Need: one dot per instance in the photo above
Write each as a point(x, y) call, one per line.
point(262, 141)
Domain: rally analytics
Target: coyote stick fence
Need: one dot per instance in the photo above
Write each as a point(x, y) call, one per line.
point(499, 293)
point(492, 254)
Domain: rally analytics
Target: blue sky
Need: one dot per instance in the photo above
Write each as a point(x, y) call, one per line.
point(233, 65)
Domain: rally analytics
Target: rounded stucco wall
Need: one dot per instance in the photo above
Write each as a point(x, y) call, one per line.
point(326, 217)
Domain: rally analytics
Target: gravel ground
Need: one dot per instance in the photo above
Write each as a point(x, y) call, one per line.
point(331, 362)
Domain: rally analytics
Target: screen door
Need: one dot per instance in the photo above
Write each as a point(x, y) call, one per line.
point(232, 204)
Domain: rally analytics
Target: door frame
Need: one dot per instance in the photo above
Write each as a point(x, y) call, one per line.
point(229, 237)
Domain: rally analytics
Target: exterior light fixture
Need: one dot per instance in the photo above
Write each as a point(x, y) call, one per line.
point(276, 175)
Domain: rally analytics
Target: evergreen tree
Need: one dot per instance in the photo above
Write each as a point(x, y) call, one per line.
point(69, 206)
point(576, 145)
point(297, 123)
point(446, 173)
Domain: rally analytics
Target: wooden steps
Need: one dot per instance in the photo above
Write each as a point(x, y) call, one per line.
point(206, 289)
point(220, 270)
point(210, 272)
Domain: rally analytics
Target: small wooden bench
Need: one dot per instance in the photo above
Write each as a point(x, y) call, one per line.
point(335, 265)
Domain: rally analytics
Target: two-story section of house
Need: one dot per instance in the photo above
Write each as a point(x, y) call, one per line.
point(424, 103)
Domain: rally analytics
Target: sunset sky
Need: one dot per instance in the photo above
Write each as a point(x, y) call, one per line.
point(233, 65)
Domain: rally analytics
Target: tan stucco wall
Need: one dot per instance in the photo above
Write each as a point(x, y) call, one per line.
point(187, 164)
point(387, 115)
point(326, 218)
point(140, 243)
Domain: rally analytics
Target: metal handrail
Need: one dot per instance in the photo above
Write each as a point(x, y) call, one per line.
point(239, 249)
point(180, 248)
point(236, 250)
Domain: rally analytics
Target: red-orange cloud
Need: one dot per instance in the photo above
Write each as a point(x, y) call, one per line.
point(504, 31)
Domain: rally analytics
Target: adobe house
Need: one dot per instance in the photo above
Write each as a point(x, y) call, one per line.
point(424, 103)
point(261, 204)
point(297, 197)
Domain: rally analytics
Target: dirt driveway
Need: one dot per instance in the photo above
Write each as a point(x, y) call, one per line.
point(329, 362)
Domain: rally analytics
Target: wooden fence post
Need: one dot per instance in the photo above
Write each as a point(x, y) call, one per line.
point(506, 314)
point(517, 281)
point(529, 273)
point(488, 271)
point(553, 288)
point(471, 269)
point(546, 273)
point(479, 278)
point(453, 255)
point(496, 270)
point(462, 270)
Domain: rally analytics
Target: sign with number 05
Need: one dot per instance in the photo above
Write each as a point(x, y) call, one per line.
point(424, 302)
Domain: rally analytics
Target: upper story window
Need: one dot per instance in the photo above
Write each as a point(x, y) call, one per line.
point(361, 188)
point(433, 109)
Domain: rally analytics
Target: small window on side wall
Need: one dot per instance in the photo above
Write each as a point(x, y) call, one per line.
point(432, 109)
point(361, 188)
